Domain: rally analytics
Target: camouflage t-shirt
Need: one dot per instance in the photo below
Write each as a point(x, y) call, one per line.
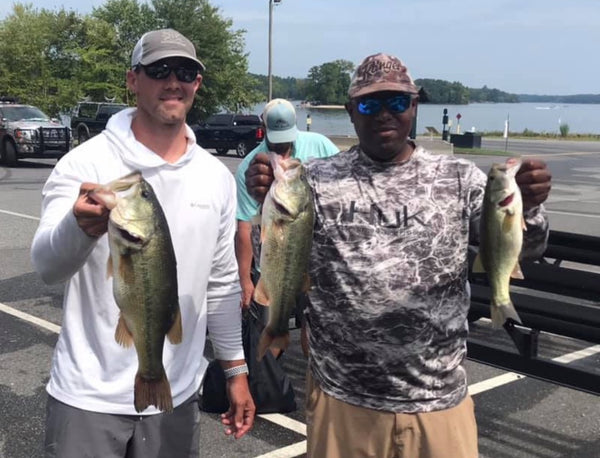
point(390, 297)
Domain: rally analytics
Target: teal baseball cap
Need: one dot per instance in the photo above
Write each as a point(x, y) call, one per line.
point(280, 121)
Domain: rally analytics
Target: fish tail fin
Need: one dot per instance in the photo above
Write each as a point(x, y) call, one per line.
point(123, 335)
point(175, 334)
point(502, 312)
point(268, 340)
point(156, 392)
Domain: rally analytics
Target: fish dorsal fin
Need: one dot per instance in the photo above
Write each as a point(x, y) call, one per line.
point(478, 265)
point(123, 335)
point(260, 294)
point(517, 272)
point(175, 334)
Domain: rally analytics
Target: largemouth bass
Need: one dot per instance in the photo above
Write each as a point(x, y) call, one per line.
point(142, 262)
point(286, 236)
point(501, 238)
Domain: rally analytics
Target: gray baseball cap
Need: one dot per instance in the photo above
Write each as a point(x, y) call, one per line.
point(160, 44)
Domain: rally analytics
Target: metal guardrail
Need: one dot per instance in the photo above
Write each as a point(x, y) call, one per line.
point(555, 297)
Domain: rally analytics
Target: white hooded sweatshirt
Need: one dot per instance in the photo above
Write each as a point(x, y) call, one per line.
point(90, 370)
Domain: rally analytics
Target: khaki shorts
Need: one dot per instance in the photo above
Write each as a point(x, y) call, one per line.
point(340, 430)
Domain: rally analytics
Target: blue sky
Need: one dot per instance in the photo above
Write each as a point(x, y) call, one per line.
point(520, 46)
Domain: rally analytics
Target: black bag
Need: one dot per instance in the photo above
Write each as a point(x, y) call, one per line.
point(270, 386)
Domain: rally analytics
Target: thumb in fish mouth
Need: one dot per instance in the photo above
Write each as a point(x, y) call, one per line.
point(104, 196)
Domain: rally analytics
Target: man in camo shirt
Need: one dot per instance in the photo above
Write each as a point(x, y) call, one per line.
point(387, 319)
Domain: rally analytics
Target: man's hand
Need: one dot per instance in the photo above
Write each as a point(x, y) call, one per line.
point(91, 216)
point(533, 179)
point(239, 419)
point(259, 177)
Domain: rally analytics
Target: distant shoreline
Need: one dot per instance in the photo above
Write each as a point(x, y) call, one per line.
point(309, 106)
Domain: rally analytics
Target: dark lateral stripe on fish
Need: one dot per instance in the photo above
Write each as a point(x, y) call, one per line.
point(126, 271)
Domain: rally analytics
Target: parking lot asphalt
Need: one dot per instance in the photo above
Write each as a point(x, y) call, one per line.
point(517, 416)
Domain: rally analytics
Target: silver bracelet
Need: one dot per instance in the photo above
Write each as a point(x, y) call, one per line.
point(237, 370)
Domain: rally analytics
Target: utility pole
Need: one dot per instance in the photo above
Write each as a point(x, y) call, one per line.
point(271, 47)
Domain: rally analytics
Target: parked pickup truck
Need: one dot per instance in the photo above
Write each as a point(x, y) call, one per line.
point(90, 118)
point(27, 132)
point(240, 132)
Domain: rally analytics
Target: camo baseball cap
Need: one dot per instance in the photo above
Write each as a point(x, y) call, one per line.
point(160, 44)
point(381, 72)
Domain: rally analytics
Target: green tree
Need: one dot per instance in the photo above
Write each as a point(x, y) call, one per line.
point(440, 91)
point(129, 20)
point(53, 59)
point(38, 58)
point(328, 83)
point(287, 88)
point(226, 82)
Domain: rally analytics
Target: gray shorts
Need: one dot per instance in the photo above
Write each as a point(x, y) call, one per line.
point(76, 433)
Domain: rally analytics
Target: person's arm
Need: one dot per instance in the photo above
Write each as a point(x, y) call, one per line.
point(224, 317)
point(534, 180)
point(243, 253)
point(224, 323)
point(247, 209)
point(69, 227)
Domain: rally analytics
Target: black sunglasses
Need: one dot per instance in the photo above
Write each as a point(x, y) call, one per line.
point(185, 74)
point(370, 106)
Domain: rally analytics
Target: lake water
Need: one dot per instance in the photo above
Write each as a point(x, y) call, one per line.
point(484, 117)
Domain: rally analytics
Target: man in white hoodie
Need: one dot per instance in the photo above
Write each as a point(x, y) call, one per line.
point(90, 410)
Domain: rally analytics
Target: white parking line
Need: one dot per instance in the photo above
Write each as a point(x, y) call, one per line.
point(510, 377)
point(30, 318)
point(299, 448)
point(20, 215)
point(286, 422)
point(560, 212)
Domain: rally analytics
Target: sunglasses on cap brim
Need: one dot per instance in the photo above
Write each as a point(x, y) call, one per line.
point(370, 106)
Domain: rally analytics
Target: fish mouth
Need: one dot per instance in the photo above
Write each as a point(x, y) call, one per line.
point(507, 200)
point(129, 237)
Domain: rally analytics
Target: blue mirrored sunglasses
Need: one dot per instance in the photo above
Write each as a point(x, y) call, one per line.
point(370, 106)
point(185, 74)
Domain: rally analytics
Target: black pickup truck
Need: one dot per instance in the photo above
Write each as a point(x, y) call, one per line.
point(90, 118)
point(222, 132)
